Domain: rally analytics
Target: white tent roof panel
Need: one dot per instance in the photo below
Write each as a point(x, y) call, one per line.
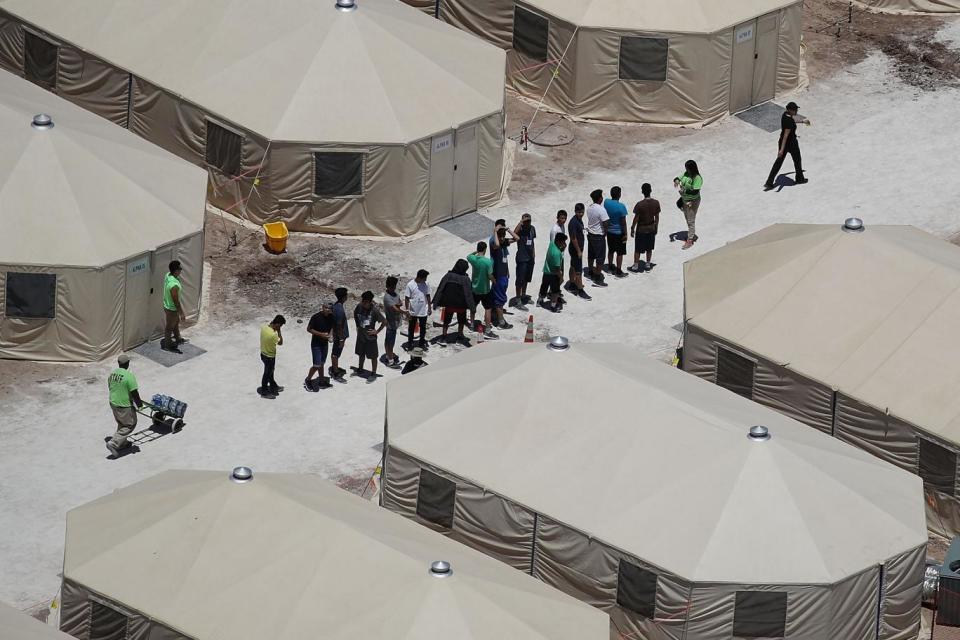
point(657, 463)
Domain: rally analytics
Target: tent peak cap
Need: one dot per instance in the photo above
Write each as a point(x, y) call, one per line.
point(758, 433)
point(346, 5)
point(441, 569)
point(853, 225)
point(558, 343)
point(241, 475)
point(42, 122)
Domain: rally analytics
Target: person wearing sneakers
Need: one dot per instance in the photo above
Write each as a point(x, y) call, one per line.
point(526, 235)
point(393, 310)
point(341, 331)
point(788, 143)
point(616, 232)
point(646, 219)
point(553, 274)
point(455, 295)
point(689, 184)
point(416, 302)
point(173, 313)
point(271, 337)
point(320, 328)
point(370, 322)
point(597, 223)
point(481, 269)
point(500, 254)
point(124, 402)
point(575, 239)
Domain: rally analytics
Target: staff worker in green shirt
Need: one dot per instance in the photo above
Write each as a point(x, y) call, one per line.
point(124, 401)
point(689, 185)
point(270, 338)
point(172, 309)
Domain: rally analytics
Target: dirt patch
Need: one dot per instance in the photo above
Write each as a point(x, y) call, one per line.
point(838, 37)
point(937, 547)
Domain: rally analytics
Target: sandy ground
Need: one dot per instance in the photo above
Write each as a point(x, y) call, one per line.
point(876, 150)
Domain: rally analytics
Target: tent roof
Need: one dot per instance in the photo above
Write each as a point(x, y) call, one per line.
point(15, 625)
point(662, 16)
point(657, 463)
point(86, 193)
point(284, 555)
point(862, 312)
point(295, 70)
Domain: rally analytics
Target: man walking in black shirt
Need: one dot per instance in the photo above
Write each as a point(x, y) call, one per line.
point(788, 144)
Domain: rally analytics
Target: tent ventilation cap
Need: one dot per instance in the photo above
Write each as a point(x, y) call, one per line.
point(441, 569)
point(241, 474)
point(346, 5)
point(853, 225)
point(759, 433)
point(42, 122)
point(559, 343)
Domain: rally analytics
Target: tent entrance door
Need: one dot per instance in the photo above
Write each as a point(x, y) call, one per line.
point(442, 160)
point(754, 65)
point(136, 302)
point(465, 163)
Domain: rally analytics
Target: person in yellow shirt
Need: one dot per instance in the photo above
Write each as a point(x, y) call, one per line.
point(124, 401)
point(270, 338)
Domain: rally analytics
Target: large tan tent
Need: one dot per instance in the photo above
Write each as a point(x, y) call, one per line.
point(851, 332)
point(15, 625)
point(92, 217)
point(639, 491)
point(373, 121)
point(912, 6)
point(205, 555)
point(660, 61)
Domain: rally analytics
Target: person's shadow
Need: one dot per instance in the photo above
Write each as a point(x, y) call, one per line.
point(784, 180)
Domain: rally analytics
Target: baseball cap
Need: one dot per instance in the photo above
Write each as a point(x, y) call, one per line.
point(123, 359)
point(792, 106)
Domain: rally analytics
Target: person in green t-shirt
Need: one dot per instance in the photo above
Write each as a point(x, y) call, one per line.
point(173, 312)
point(689, 185)
point(124, 402)
point(270, 338)
point(553, 274)
point(481, 281)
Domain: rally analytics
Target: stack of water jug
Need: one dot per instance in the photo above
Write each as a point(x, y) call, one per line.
point(168, 405)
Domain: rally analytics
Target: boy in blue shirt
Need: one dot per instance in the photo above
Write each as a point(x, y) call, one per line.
point(616, 232)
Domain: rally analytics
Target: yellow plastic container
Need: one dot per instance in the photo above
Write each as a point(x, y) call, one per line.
point(277, 234)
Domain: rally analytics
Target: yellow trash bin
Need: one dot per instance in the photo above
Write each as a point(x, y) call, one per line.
point(276, 233)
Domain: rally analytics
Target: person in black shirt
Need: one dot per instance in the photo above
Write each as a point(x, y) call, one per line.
point(500, 253)
point(788, 144)
point(575, 227)
point(320, 327)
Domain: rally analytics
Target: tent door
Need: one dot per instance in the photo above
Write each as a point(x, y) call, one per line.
point(442, 156)
point(744, 52)
point(465, 163)
point(136, 302)
point(765, 59)
point(161, 264)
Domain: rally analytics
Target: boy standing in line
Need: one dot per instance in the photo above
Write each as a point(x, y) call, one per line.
point(393, 311)
point(417, 304)
point(320, 328)
point(341, 331)
point(597, 223)
point(367, 317)
point(646, 219)
point(558, 225)
point(553, 273)
point(575, 283)
point(481, 282)
point(526, 256)
point(500, 253)
point(616, 232)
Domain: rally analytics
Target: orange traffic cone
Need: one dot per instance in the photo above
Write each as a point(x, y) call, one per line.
point(529, 336)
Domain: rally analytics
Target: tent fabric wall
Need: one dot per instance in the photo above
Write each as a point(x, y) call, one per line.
point(902, 595)
point(881, 434)
point(530, 77)
point(11, 44)
point(491, 20)
point(909, 6)
point(94, 85)
point(775, 386)
point(482, 519)
point(788, 57)
point(75, 610)
point(491, 134)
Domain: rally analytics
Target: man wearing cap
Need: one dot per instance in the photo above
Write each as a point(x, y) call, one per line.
point(172, 309)
point(788, 144)
point(124, 401)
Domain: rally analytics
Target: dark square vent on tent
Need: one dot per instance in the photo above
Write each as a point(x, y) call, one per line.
point(436, 498)
point(224, 149)
point(337, 174)
point(938, 466)
point(40, 60)
point(735, 372)
point(106, 623)
point(31, 295)
point(643, 58)
point(637, 589)
point(760, 614)
point(530, 34)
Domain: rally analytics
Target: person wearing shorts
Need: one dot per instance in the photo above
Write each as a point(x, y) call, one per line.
point(526, 234)
point(616, 232)
point(500, 253)
point(553, 274)
point(393, 311)
point(455, 295)
point(320, 328)
point(341, 331)
point(597, 223)
point(481, 282)
point(646, 219)
point(576, 246)
point(368, 317)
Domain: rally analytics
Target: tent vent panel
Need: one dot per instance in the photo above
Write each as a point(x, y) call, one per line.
point(40, 60)
point(938, 466)
point(530, 34)
point(436, 497)
point(643, 59)
point(106, 623)
point(337, 174)
point(637, 589)
point(760, 614)
point(31, 295)
point(735, 372)
point(223, 149)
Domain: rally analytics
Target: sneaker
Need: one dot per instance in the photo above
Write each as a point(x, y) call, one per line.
point(112, 448)
point(277, 390)
point(525, 299)
point(801, 181)
point(599, 283)
point(490, 335)
point(635, 269)
point(396, 360)
point(266, 395)
point(619, 274)
point(569, 286)
point(514, 302)
point(384, 359)
point(173, 349)
point(505, 325)
point(583, 294)
point(651, 265)
point(766, 187)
